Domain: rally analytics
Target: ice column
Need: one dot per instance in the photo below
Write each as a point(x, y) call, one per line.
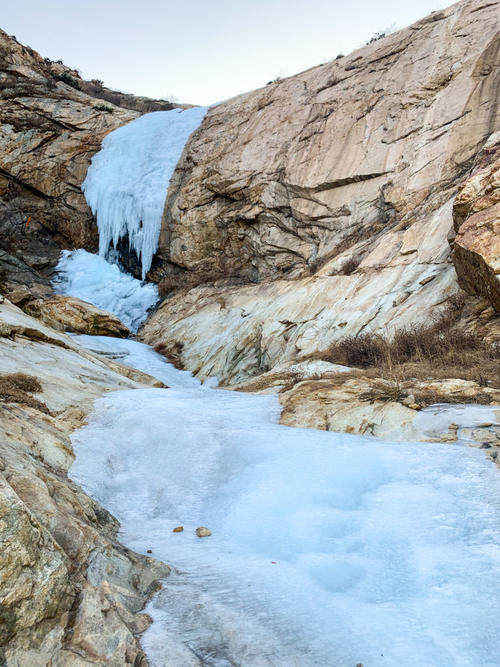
point(127, 182)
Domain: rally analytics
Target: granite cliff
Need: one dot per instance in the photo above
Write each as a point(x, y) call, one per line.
point(322, 205)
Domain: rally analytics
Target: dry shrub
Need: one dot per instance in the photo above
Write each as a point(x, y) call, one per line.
point(172, 352)
point(350, 265)
point(18, 387)
point(438, 351)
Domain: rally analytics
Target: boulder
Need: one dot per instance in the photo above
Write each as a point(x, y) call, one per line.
point(476, 252)
point(67, 313)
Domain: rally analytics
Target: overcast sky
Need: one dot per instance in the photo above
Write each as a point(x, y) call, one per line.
point(200, 51)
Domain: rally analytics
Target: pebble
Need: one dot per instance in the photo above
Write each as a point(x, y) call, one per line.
point(178, 529)
point(203, 532)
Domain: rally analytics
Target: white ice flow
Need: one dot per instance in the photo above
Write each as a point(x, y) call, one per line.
point(127, 182)
point(93, 279)
point(327, 549)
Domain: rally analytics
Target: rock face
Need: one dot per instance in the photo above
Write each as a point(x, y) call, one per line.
point(476, 253)
point(48, 134)
point(333, 191)
point(67, 313)
point(51, 124)
point(70, 594)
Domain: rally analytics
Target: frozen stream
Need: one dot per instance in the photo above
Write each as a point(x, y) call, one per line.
point(327, 549)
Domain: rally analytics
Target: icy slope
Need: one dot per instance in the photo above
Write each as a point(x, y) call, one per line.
point(93, 279)
point(127, 182)
point(327, 549)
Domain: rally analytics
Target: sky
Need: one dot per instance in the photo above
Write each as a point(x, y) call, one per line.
point(202, 51)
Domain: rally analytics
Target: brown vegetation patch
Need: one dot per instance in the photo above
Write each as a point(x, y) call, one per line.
point(18, 387)
point(350, 265)
point(441, 350)
point(172, 352)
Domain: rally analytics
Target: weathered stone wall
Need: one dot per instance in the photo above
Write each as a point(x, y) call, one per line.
point(70, 594)
point(333, 190)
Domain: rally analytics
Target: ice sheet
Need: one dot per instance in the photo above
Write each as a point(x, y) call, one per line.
point(327, 549)
point(127, 182)
point(93, 279)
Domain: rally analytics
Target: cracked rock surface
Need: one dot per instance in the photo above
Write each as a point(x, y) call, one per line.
point(70, 593)
point(321, 205)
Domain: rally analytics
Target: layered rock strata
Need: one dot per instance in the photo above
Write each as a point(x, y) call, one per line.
point(70, 594)
point(332, 190)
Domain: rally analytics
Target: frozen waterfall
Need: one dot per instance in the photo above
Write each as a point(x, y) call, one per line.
point(93, 279)
point(127, 182)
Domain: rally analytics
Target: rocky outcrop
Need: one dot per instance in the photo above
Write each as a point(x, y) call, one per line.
point(476, 252)
point(96, 88)
point(329, 195)
point(48, 134)
point(67, 313)
point(51, 123)
point(380, 408)
point(329, 397)
point(70, 594)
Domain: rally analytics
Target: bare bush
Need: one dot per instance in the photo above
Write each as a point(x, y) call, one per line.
point(350, 265)
point(18, 387)
point(439, 350)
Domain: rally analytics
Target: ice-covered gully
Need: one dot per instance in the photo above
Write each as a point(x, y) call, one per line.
point(326, 548)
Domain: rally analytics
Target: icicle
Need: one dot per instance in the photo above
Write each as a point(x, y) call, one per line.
point(127, 182)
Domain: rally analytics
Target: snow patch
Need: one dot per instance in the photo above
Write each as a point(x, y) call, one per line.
point(127, 182)
point(91, 278)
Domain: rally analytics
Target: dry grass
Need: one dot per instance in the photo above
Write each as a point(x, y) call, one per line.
point(439, 351)
point(18, 387)
point(172, 353)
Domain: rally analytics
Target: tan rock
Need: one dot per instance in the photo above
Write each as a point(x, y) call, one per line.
point(203, 532)
point(69, 593)
point(67, 313)
point(476, 253)
point(358, 147)
point(356, 404)
point(357, 159)
point(340, 406)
